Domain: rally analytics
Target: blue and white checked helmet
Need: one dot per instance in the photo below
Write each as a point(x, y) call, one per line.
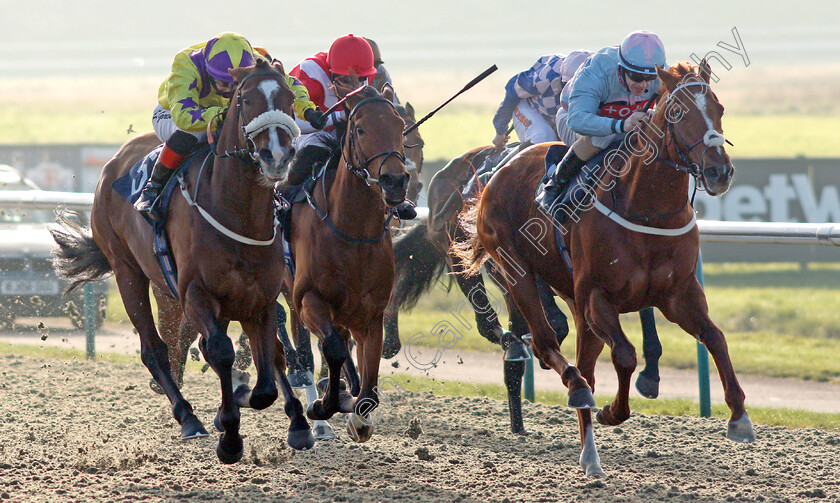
point(641, 52)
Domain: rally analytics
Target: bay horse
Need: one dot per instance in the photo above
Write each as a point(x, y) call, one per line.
point(343, 256)
point(619, 266)
point(229, 264)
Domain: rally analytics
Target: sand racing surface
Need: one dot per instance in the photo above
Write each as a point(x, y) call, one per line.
point(82, 431)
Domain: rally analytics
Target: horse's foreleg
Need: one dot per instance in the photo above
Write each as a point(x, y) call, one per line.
point(202, 312)
point(647, 382)
point(589, 459)
point(134, 290)
point(316, 315)
point(350, 371)
point(361, 420)
point(262, 334)
point(689, 310)
point(601, 322)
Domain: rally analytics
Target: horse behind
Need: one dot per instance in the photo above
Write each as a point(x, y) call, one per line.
point(221, 228)
point(344, 261)
point(639, 248)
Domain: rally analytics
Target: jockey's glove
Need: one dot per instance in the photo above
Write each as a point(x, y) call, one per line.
point(315, 118)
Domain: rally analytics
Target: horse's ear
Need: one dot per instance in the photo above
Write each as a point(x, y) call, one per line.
point(409, 110)
point(669, 80)
point(705, 71)
point(278, 66)
point(388, 92)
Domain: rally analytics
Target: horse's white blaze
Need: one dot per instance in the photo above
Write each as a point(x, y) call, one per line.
point(269, 88)
point(712, 138)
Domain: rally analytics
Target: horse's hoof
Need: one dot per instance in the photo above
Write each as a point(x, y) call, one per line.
point(741, 430)
point(595, 472)
point(391, 347)
point(299, 379)
point(192, 428)
point(517, 351)
point(323, 431)
point(156, 387)
point(300, 440)
point(346, 402)
point(581, 398)
point(647, 387)
point(317, 412)
point(229, 455)
point(263, 400)
point(359, 429)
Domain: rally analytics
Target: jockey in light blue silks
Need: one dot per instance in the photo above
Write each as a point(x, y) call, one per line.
point(603, 102)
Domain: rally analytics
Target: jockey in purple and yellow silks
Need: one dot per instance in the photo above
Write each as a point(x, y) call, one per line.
point(602, 103)
point(196, 92)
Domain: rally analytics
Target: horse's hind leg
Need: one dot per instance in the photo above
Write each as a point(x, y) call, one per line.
point(217, 349)
point(392, 345)
point(486, 318)
point(689, 310)
point(647, 382)
point(134, 290)
point(176, 333)
point(300, 436)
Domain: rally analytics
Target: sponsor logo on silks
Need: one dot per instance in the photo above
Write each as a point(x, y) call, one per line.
point(524, 120)
point(620, 109)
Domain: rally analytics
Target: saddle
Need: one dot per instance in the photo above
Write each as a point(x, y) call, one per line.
point(491, 160)
point(130, 186)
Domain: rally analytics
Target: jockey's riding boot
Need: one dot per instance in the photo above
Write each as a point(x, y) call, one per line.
point(406, 211)
point(176, 148)
point(305, 160)
point(568, 168)
point(146, 203)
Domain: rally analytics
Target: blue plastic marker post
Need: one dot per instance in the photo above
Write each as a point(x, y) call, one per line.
point(528, 381)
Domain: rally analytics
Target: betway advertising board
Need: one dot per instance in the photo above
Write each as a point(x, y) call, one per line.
point(775, 190)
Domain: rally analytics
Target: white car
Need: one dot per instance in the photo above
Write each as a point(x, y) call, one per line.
point(28, 285)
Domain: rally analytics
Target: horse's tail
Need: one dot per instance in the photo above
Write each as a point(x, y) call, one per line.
point(418, 264)
point(468, 247)
point(76, 258)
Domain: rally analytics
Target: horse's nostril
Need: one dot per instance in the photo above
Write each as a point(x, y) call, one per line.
point(266, 155)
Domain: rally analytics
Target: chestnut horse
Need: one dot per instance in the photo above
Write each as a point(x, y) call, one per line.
point(223, 242)
point(619, 266)
point(344, 260)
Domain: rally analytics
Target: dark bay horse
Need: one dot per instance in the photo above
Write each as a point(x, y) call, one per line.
point(619, 266)
point(228, 261)
point(344, 262)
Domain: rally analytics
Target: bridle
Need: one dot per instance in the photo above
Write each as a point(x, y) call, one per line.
point(266, 120)
point(358, 163)
point(710, 139)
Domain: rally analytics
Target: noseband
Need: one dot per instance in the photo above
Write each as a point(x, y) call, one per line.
point(267, 119)
point(711, 139)
point(358, 162)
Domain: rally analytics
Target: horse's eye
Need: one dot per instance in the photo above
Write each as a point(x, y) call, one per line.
point(246, 101)
point(359, 131)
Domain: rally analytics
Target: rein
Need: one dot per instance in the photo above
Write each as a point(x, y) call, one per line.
point(711, 139)
point(360, 171)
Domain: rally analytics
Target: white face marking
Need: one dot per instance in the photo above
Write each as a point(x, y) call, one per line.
point(712, 138)
point(269, 88)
